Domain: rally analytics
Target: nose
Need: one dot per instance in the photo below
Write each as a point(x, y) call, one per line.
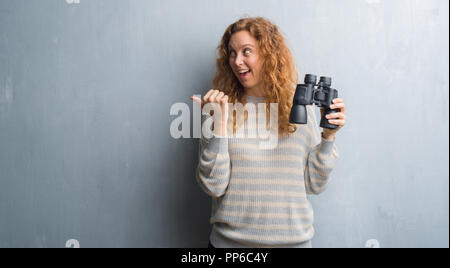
point(238, 61)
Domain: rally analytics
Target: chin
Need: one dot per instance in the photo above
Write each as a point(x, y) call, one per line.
point(249, 86)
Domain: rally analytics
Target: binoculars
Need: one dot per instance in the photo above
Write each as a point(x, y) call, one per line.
point(310, 93)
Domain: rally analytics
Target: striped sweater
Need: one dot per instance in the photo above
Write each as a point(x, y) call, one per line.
point(259, 196)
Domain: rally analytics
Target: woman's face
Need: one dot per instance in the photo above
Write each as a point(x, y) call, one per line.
point(245, 60)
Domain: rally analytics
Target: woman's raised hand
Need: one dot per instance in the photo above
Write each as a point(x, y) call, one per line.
point(220, 100)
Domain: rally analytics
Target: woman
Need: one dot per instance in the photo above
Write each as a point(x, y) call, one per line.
point(259, 195)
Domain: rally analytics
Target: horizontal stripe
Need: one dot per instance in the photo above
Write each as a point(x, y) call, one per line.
point(266, 204)
point(213, 183)
point(211, 155)
point(274, 157)
point(214, 174)
point(287, 238)
point(245, 214)
point(317, 181)
point(225, 165)
point(313, 170)
point(314, 189)
point(214, 165)
point(259, 170)
point(270, 227)
point(317, 164)
point(265, 193)
point(243, 146)
point(248, 181)
point(333, 154)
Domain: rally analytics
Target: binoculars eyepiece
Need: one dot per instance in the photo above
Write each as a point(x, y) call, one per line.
point(310, 93)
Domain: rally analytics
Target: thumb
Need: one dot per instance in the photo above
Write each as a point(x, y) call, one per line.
point(197, 100)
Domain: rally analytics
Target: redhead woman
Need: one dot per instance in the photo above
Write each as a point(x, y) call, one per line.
point(259, 195)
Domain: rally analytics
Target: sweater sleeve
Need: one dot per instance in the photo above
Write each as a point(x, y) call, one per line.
point(321, 158)
point(214, 166)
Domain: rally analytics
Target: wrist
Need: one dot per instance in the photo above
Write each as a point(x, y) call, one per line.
point(329, 137)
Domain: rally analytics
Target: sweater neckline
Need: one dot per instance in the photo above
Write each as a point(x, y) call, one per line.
point(254, 98)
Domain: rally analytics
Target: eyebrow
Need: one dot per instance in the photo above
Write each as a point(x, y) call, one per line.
point(230, 48)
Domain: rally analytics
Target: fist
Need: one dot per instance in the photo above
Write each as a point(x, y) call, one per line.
point(216, 97)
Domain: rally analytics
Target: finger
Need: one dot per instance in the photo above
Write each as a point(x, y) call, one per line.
point(338, 100)
point(206, 97)
point(224, 102)
point(336, 115)
point(337, 122)
point(213, 96)
point(197, 100)
point(339, 105)
point(219, 96)
point(224, 99)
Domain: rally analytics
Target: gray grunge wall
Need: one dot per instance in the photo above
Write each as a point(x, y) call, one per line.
point(86, 87)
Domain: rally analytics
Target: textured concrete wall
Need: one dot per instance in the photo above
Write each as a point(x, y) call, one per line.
point(85, 94)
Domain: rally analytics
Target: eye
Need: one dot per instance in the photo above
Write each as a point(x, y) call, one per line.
point(232, 53)
point(247, 51)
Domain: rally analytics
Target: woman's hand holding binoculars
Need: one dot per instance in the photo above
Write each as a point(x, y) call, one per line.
point(334, 118)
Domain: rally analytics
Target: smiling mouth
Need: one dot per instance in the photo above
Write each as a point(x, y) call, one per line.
point(244, 73)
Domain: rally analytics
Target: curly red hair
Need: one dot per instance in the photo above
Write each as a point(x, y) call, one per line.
point(280, 76)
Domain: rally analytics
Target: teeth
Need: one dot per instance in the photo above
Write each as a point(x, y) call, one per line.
point(243, 71)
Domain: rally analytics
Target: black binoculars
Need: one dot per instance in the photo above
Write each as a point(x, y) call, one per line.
point(310, 93)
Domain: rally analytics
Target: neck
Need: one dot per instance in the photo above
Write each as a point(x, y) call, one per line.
point(254, 92)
